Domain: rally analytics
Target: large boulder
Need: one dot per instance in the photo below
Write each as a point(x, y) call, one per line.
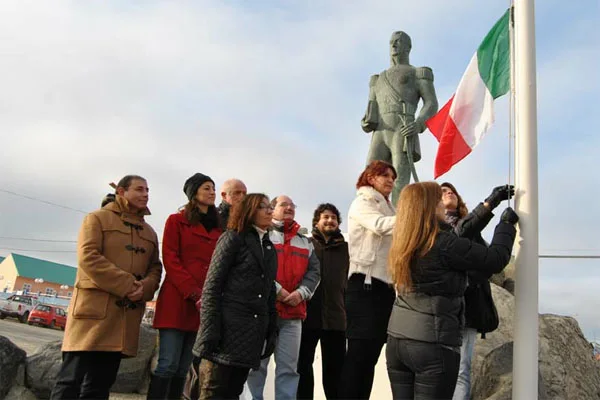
point(44, 364)
point(567, 369)
point(42, 368)
point(11, 357)
point(134, 372)
point(18, 392)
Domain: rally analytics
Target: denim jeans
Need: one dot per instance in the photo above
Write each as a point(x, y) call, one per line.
point(174, 353)
point(286, 354)
point(463, 383)
point(421, 370)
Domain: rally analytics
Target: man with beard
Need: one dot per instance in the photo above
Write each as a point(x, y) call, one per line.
point(298, 276)
point(232, 193)
point(326, 315)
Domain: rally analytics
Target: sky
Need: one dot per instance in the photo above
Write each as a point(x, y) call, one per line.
point(273, 93)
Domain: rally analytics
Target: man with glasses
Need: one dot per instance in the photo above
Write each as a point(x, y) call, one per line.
point(298, 275)
point(232, 194)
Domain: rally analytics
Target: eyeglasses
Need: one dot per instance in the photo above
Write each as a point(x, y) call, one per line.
point(267, 207)
point(286, 205)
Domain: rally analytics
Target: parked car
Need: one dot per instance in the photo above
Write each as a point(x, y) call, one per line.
point(17, 306)
point(49, 316)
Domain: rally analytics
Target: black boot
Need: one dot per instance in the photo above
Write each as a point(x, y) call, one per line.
point(176, 388)
point(159, 387)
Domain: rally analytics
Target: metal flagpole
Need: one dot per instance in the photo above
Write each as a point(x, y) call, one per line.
point(525, 350)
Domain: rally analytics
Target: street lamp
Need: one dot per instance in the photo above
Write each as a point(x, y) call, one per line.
point(64, 287)
point(38, 280)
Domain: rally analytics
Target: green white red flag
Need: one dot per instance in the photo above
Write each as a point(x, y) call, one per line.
point(461, 124)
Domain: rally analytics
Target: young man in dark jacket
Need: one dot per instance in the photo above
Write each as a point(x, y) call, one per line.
point(325, 314)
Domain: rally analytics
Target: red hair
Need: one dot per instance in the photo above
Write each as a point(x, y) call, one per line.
point(375, 168)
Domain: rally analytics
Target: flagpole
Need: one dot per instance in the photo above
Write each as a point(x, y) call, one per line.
point(525, 350)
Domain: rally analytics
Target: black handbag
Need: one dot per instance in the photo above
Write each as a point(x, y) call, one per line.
point(480, 310)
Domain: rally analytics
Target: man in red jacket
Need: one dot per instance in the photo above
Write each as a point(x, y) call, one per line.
point(298, 275)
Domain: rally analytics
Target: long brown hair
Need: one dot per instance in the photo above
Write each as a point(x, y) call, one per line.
point(375, 168)
point(242, 215)
point(416, 228)
point(461, 207)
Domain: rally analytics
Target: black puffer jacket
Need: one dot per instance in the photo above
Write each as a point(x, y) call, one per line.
point(434, 311)
point(238, 300)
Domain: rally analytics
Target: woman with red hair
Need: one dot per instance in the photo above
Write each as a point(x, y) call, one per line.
point(369, 295)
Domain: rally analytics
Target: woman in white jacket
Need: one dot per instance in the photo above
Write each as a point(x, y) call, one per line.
point(369, 295)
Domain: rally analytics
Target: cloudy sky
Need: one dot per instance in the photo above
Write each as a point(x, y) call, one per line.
point(273, 92)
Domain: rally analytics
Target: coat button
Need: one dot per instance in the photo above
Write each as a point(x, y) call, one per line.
point(255, 316)
point(259, 296)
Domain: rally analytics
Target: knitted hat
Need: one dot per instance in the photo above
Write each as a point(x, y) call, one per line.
point(193, 183)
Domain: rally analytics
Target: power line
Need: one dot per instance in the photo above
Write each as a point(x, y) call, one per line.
point(39, 251)
point(43, 201)
point(38, 240)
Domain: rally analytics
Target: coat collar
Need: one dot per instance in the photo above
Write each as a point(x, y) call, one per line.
point(336, 239)
point(121, 206)
point(370, 192)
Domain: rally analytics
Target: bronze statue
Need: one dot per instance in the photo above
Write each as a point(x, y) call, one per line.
point(394, 97)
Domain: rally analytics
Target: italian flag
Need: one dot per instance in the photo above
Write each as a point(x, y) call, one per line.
point(461, 124)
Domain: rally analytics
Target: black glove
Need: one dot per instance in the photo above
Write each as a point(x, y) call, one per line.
point(509, 216)
point(271, 343)
point(500, 193)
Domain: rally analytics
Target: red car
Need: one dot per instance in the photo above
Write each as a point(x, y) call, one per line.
point(49, 316)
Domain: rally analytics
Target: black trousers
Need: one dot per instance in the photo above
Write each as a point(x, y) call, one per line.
point(221, 382)
point(420, 370)
point(359, 368)
point(333, 351)
point(86, 375)
point(368, 309)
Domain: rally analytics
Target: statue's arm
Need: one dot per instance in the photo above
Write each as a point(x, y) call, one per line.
point(371, 118)
point(427, 92)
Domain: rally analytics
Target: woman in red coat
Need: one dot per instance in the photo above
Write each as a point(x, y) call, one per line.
point(189, 239)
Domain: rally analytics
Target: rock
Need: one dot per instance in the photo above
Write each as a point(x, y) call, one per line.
point(495, 382)
point(566, 361)
point(133, 373)
point(505, 304)
point(11, 357)
point(20, 393)
point(43, 366)
point(572, 374)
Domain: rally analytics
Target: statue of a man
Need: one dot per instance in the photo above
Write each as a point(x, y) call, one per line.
point(393, 99)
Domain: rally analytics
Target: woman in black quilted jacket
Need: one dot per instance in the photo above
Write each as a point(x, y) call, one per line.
point(238, 319)
point(477, 312)
point(429, 265)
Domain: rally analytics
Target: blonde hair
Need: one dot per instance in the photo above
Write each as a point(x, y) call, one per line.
point(417, 225)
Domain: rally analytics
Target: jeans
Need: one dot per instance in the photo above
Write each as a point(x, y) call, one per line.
point(333, 350)
point(86, 375)
point(421, 370)
point(174, 353)
point(463, 383)
point(286, 363)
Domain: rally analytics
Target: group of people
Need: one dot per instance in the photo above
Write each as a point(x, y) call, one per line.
point(242, 285)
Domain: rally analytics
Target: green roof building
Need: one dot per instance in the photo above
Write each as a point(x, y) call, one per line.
point(34, 275)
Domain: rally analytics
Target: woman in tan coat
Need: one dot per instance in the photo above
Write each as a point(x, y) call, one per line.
point(118, 271)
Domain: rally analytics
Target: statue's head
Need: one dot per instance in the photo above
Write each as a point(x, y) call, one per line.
point(400, 44)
